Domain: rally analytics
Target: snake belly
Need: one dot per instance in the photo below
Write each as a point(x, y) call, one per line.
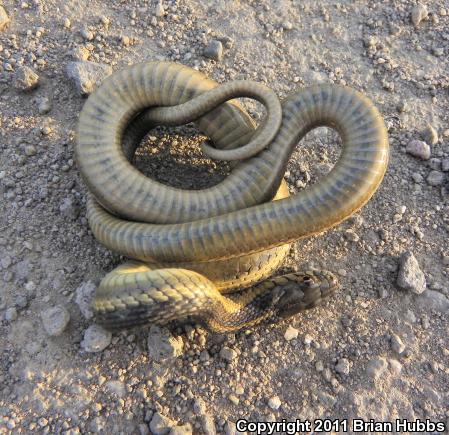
point(191, 247)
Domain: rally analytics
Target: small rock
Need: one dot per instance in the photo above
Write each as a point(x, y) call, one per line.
point(342, 366)
point(410, 276)
point(80, 53)
point(162, 345)
point(159, 9)
point(376, 367)
point(234, 399)
point(419, 13)
point(435, 178)
point(418, 148)
point(4, 19)
point(291, 333)
point(44, 105)
point(96, 339)
point(434, 300)
point(86, 34)
point(11, 314)
point(69, 209)
point(395, 366)
point(185, 429)
point(417, 177)
point(84, 295)
point(25, 79)
point(161, 425)
point(208, 424)
point(274, 402)
point(430, 134)
point(125, 40)
point(397, 344)
point(116, 387)
point(445, 165)
point(30, 150)
point(228, 354)
point(87, 75)
point(55, 320)
point(214, 50)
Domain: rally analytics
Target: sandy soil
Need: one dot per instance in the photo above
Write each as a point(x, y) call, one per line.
point(374, 351)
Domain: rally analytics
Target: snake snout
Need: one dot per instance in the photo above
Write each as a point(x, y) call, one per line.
point(306, 291)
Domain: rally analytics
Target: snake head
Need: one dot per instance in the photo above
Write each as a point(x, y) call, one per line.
point(301, 291)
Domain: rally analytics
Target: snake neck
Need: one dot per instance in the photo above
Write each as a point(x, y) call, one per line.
point(270, 301)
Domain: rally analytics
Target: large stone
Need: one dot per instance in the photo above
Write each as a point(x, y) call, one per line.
point(418, 148)
point(87, 76)
point(410, 276)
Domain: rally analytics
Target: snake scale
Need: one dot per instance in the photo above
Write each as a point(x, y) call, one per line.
point(191, 249)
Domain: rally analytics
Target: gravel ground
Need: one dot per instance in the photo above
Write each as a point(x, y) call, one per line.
point(378, 350)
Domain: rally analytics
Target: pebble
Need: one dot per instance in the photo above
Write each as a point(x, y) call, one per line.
point(83, 297)
point(162, 345)
point(86, 34)
point(4, 19)
point(30, 150)
point(80, 53)
point(397, 344)
point(395, 366)
point(25, 79)
point(418, 148)
point(430, 134)
point(214, 50)
point(11, 314)
point(208, 424)
point(376, 367)
point(228, 354)
point(185, 429)
point(86, 75)
point(342, 366)
point(234, 399)
point(161, 425)
point(291, 333)
point(410, 276)
point(55, 320)
point(159, 9)
point(417, 177)
point(274, 402)
point(445, 165)
point(44, 105)
point(116, 387)
point(419, 13)
point(435, 178)
point(96, 339)
point(69, 209)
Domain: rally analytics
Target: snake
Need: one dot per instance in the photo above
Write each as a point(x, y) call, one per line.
point(210, 254)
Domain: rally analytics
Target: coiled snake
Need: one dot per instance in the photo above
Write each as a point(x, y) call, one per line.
point(192, 246)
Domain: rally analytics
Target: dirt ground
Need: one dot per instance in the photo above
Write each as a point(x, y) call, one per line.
point(373, 351)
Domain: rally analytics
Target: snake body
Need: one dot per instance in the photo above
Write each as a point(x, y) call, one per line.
point(192, 246)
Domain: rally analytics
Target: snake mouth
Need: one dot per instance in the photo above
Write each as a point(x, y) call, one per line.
point(308, 291)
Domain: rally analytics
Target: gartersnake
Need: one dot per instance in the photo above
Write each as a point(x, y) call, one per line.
point(195, 245)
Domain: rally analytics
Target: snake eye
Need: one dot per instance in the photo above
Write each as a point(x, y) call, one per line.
point(307, 279)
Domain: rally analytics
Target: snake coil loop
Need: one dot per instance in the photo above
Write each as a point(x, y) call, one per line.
point(192, 246)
